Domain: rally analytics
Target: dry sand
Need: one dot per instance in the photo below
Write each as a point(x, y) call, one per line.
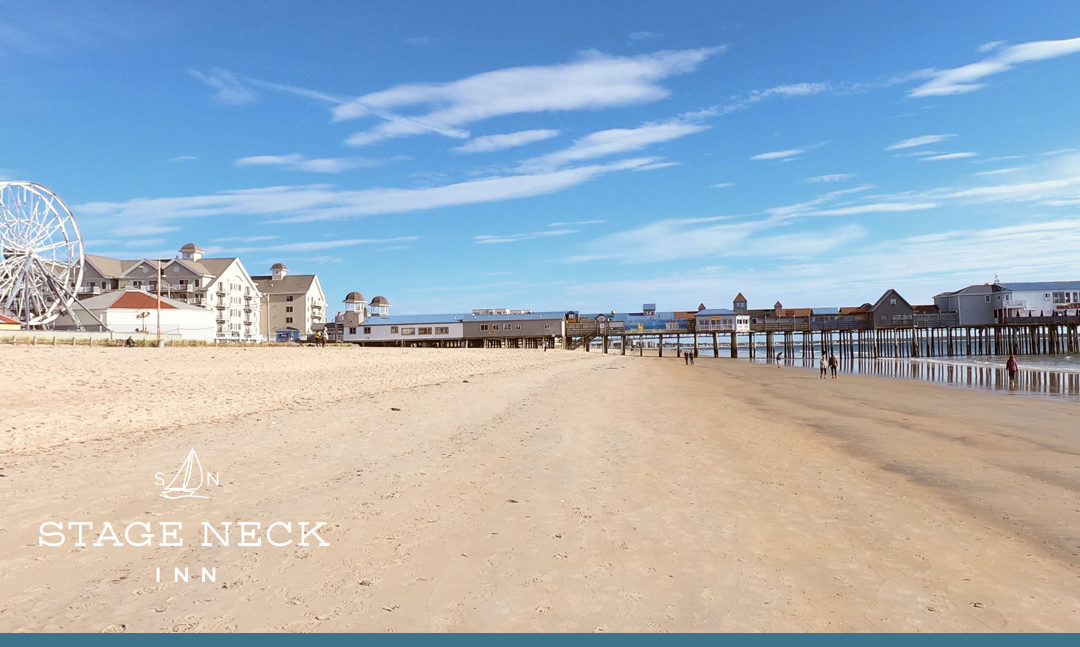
point(484, 490)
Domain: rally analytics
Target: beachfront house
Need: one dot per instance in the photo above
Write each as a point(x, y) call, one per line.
point(291, 301)
point(219, 285)
point(136, 311)
point(973, 305)
point(1025, 302)
point(721, 320)
point(891, 311)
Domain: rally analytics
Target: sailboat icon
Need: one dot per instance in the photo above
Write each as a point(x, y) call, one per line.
point(187, 481)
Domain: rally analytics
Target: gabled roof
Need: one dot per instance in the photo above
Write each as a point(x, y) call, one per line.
point(925, 309)
point(105, 266)
point(739, 297)
point(853, 310)
point(889, 294)
point(795, 312)
point(716, 311)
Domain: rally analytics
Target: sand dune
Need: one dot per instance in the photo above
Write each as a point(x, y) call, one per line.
point(529, 491)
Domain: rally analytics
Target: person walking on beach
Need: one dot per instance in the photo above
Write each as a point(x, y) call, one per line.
point(692, 356)
point(1013, 368)
point(824, 364)
point(686, 358)
point(833, 364)
point(779, 357)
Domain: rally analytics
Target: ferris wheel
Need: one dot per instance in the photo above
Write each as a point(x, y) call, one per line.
point(41, 254)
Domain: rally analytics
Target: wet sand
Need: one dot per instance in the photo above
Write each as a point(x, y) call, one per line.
point(527, 491)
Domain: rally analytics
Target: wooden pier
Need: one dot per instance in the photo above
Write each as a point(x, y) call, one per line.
point(1042, 336)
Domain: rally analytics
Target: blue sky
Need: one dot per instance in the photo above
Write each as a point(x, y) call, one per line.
point(562, 155)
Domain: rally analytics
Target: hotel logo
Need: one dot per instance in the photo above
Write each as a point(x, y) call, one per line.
point(189, 478)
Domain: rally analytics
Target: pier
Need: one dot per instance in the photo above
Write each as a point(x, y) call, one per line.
point(1035, 336)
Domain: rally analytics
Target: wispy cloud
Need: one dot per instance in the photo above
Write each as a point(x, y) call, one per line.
point(576, 223)
point(515, 238)
point(877, 207)
point(1001, 171)
point(594, 81)
point(989, 47)
point(319, 202)
point(918, 141)
point(966, 78)
point(229, 89)
point(611, 142)
point(832, 177)
point(297, 162)
point(490, 143)
point(182, 158)
point(948, 156)
point(791, 153)
point(721, 185)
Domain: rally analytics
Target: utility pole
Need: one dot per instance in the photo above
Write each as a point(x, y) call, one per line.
point(159, 303)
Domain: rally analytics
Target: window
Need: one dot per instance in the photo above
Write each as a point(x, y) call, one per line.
point(288, 308)
point(423, 331)
point(136, 284)
point(517, 326)
point(506, 326)
point(547, 326)
point(892, 302)
point(393, 330)
point(986, 299)
point(352, 331)
point(408, 331)
point(288, 298)
point(288, 319)
point(483, 327)
point(442, 330)
point(367, 330)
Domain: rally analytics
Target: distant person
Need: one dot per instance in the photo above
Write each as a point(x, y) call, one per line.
point(833, 364)
point(824, 365)
point(779, 357)
point(129, 343)
point(692, 357)
point(1013, 368)
point(686, 358)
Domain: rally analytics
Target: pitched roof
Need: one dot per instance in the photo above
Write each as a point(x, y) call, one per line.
point(739, 297)
point(716, 311)
point(8, 320)
point(925, 309)
point(133, 300)
point(853, 310)
point(289, 284)
point(1038, 285)
point(889, 293)
point(795, 312)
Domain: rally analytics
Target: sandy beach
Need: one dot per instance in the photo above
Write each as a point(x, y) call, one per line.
point(510, 490)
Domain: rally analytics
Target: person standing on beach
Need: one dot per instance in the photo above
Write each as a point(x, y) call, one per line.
point(833, 364)
point(824, 364)
point(1013, 368)
point(692, 356)
point(779, 357)
point(686, 358)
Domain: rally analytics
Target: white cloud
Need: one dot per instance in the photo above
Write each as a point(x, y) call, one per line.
point(721, 185)
point(948, 156)
point(775, 155)
point(989, 47)
point(878, 207)
point(594, 81)
point(514, 238)
point(832, 177)
point(676, 239)
point(297, 162)
point(610, 142)
point(966, 77)
point(918, 141)
point(182, 158)
point(576, 223)
point(229, 89)
point(1001, 171)
point(319, 202)
point(490, 143)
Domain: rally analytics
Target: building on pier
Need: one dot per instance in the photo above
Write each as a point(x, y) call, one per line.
point(973, 305)
point(720, 320)
point(1017, 302)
